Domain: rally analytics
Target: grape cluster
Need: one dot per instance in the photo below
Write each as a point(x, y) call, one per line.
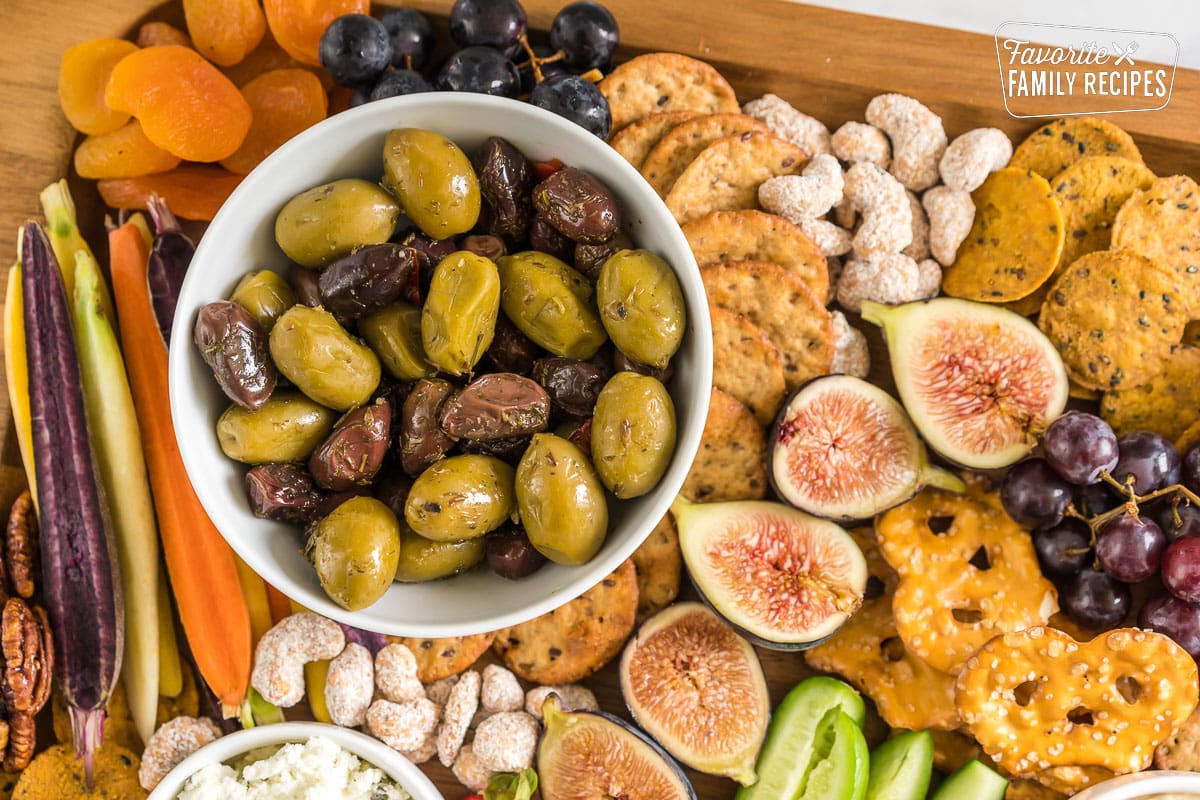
point(389, 56)
point(1110, 512)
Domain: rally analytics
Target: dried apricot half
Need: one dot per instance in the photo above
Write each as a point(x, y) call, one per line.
point(151, 34)
point(298, 24)
point(124, 153)
point(193, 191)
point(82, 76)
point(284, 102)
point(224, 31)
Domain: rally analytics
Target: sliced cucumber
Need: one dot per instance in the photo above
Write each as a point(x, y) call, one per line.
point(901, 766)
point(974, 780)
point(839, 767)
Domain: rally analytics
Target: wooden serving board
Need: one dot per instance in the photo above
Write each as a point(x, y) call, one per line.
point(827, 63)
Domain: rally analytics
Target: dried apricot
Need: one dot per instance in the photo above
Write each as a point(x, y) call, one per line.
point(193, 191)
point(82, 76)
point(298, 24)
point(284, 102)
point(340, 99)
point(186, 106)
point(224, 31)
point(266, 57)
point(152, 34)
point(124, 153)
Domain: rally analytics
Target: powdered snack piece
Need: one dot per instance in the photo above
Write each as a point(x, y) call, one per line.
point(788, 123)
point(917, 137)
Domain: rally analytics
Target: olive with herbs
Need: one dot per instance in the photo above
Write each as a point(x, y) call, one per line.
point(460, 497)
point(458, 319)
point(353, 452)
point(506, 180)
point(633, 434)
point(394, 333)
point(641, 306)
point(578, 205)
point(510, 554)
point(511, 350)
point(355, 550)
point(282, 492)
point(545, 238)
point(234, 346)
point(573, 384)
point(329, 221)
point(424, 559)
point(322, 359)
point(434, 181)
point(288, 427)
point(623, 363)
point(367, 279)
point(589, 258)
point(422, 441)
point(499, 405)
point(561, 500)
point(551, 303)
point(265, 294)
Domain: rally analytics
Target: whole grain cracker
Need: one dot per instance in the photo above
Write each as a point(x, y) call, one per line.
point(747, 364)
point(635, 141)
point(1162, 223)
point(1181, 750)
point(56, 774)
point(1060, 143)
point(442, 657)
point(662, 82)
point(1168, 403)
point(659, 563)
point(731, 461)
point(683, 143)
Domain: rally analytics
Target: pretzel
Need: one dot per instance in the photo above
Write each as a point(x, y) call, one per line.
point(1037, 700)
point(1070, 779)
point(946, 607)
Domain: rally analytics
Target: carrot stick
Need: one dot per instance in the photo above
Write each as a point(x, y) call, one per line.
point(279, 604)
point(204, 575)
point(16, 368)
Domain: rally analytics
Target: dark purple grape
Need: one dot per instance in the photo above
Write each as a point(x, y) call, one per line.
point(1095, 600)
point(494, 23)
point(1178, 518)
point(1034, 495)
point(1091, 501)
point(576, 99)
point(587, 34)
point(1063, 549)
point(1190, 471)
point(411, 35)
point(1181, 568)
point(1149, 459)
point(1079, 446)
point(549, 69)
point(1130, 548)
point(510, 554)
point(479, 69)
point(1175, 618)
point(400, 82)
point(355, 49)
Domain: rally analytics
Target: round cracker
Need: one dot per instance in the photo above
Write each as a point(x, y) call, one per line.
point(1162, 223)
point(731, 463)
point(680, 146)
point(1060, 143)
point(1113, 316)
point(55, 774)
point(746, 364)
point(659, 82)
point(1014, 242)
point(442, 657)
point(659, 563)
point(634, 142)
point(1168, 403)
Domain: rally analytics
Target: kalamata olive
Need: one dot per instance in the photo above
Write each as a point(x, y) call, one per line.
point(392, 489)
point(434, 181)
point(394, 333)
point(422, 440)
point(429, 253)
point(353, 452)
point(282, 492)
point(561, 500)
point(326, 222)
point(623, 363)
point(551, 303)
point(511, 350)
point(332, 500)
point(367, 279)
point(507, 450)
point(458, 319)
point(265, 294)
point(482, 244)
point(633, 434)
point(325, 362)
point(641, 306)
point(581, 436)
point(589, 258)
point(573, 385)
point(506, 180)
point(423, 559)
point(545, 238)
point(499, 405)
point(578, 205)
point(460, 497)
point(509, 553)
point(288, 427)
point(355, 550)
point(304, 285)
point(234, 346)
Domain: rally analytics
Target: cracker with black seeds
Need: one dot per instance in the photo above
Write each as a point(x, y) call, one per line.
point(1162, 223)
point(747, 364)
point(731, 463)
point(443, 657)
point(1060, 143)
point(679, 147)
point(660, 82)
point(635, 141)
point(1182, 749)
point(659, 564)
point(1168, 403)
point(56, 774)
point(578, 638)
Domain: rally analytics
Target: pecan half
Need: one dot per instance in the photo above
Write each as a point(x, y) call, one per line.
point(21, 641)
point(45, 676)
point(22, 738)
point(21, 545)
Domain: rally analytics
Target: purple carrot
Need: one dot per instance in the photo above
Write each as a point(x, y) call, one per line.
point(372, 641)
point(170, 256)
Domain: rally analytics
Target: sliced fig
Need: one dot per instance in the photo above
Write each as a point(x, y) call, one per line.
point(844, 449)
point(585, 755)
point(981, 382)
point(697, 687)
point(787, 580)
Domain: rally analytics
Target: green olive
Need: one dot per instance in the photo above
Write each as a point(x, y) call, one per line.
point(265, 294)
point(394, 333)
point(325, 362)
point(434, 181)
point(460, 497)
point(551, 303)
point(633, 433)
point(458, 320)
point(641, 306)
point(355, 550)
point(328, 221)
point(561, 501)
point(423, 559)
point(288, 427)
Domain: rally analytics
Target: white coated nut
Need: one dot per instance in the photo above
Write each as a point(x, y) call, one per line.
point(886, 216)
point(396, 674)
point(439, 690)
point(833, 265)
point(470, 771)
point(457, 716)
point(807, 195)
point(500, 690)
point(918, 248)
point(283, 651)
point(857, 141)
point(918, 139)
point(402, 726)
point(350, 686)
point(889, 278)
point(173, 742)
point(787, 123)
point(426, 751)
point(850, 353)
point(829, 238)
point(507, 741)
point(951, 213)
point(573, 697)
point(844, 214)
point(970, 158)
point(929, 278)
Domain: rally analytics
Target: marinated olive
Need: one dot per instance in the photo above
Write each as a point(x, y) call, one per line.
point(578, 206)
point(288, 427)
point(392, 490)
point(506, 180)
point(573, 385)
point(304, 285)
point(623, 363)
point(581, 435)
point(234, 346)
point(460, 497)
point(491, 247)
point(423, 559)
point(328, 221)
point(458, 319)
point(510, 555)
point(433, 179)
point(334, 499)
point(544, 238)
point(266, 295)
point(507, 450)
point(589, 258)
point(394, 333)
point(633, 434)
point(429, 253)
point(551, 304)
point(282, 492)
point(353, 453)
point(422, 440)
point(561, 500)
point(511, 350)
point(641, 306)
point(355, 551)
point(367, 279)
point(325, 362)
point(499, 405)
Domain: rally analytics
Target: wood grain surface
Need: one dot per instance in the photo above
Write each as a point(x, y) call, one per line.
point(827, 63)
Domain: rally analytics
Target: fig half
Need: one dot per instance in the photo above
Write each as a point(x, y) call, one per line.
point(584, 755)
point(844, 449)
point(981, 382)
point(697, 687)
point(787, 580)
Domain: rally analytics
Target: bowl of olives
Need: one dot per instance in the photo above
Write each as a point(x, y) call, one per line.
point(440, 364)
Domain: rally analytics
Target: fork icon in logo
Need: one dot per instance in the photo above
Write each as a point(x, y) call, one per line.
point(1125, 53)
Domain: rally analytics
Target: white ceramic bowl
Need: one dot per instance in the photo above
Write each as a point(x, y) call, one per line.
point(373, 751)
point(1144, 786)
point(241, 239)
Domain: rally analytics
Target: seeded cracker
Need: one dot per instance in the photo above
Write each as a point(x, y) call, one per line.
point(634, 142)
point(662, 82)
point(746, 364)
point(1168, 403)
point(1114, 315)
point(731, 461)
point(659, 563)
point(680, 146)
point(441, 658)
point(1162, 223)
point(1059, 144)
point(1182, 750)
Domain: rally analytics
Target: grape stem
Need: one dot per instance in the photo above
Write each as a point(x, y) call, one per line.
point(1130, 506)
point(536, 63)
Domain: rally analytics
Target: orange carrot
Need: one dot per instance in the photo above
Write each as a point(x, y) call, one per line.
point(279, 604)
point(204, 575)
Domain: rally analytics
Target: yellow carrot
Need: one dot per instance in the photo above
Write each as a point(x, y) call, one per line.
point(66, 240)
point(170, 669)
point(254, 589)
point(138, 220)
point(16, 372)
